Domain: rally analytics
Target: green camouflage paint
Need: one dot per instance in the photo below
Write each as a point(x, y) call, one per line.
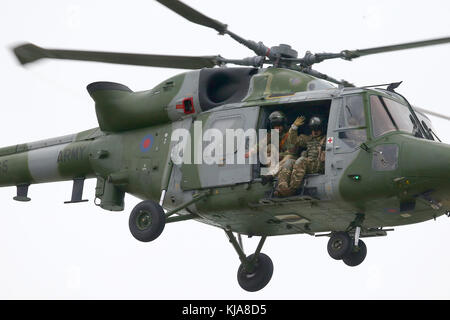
point(122, 160)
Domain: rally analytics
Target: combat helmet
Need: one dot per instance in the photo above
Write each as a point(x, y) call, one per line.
point(315, 123)
point(277, 118)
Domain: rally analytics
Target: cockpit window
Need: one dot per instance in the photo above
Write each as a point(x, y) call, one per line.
point(389, 115)
point(381, 120)
point(426, 124)
point(401, 115)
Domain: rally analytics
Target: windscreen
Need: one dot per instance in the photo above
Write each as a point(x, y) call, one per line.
point(427, 125)
point(401, 115)
point(381, 120)
point(389, 115)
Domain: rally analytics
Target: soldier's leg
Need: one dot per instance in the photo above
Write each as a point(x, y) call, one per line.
point(276, 168)
point(298, 173)
point(284, 175)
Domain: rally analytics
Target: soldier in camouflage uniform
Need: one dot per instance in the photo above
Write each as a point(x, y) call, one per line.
point(312, 160)
point(277, 121)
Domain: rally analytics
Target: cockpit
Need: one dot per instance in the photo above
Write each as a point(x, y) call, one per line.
point(389, 114)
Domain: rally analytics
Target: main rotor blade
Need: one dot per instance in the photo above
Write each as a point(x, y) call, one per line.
point(432, 113)
point(351, 54)
point(193, 15)
point(29, 52)
point(199, 18)
point(309, 59)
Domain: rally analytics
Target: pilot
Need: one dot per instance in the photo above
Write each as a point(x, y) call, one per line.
point(312, 160)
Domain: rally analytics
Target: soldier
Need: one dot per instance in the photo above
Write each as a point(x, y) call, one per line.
point(277, 121)
point(312, 160)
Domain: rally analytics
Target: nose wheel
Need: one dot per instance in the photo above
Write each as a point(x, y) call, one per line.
point(357, 255)
point(342, 247)
point(339, 245)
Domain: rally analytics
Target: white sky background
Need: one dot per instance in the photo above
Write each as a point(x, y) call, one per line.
point(52, 250)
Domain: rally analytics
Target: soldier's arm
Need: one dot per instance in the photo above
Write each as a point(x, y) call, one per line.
point(293, 138)
point(302, 141)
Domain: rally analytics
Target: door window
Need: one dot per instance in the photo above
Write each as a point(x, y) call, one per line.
point(352, 121)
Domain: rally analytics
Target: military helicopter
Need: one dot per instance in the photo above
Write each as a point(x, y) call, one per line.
point(368, 184)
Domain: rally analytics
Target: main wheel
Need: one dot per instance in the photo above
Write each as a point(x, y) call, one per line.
point(357, 255)
point(147, 221)
point(339, 245)
point(259, 277)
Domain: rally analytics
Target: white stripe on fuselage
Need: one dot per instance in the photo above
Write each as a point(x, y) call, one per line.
point(43, 163)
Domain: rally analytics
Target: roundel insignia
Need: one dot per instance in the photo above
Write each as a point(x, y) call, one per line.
point(146, 143)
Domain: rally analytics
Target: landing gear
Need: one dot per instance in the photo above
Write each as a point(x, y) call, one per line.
point(147, 221)
point(342, 247)
point(357, 255)
point(256, 270)
point(339, 245)
point(260, 274)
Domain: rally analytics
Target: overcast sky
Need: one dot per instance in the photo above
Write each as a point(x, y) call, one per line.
point(52, 250)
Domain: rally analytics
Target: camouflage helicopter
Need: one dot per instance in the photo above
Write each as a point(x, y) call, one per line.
point(369, 182)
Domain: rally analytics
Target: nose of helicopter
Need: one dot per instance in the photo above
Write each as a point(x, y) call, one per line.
point(426, 165)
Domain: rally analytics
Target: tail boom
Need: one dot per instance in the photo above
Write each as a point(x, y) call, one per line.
point(57, 159)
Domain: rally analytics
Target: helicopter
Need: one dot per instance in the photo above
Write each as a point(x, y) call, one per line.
point(129, 152)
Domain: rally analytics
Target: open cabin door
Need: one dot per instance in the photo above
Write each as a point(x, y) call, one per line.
point(203, 175)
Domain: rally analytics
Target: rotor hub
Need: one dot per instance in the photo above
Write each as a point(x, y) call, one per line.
point(284, 50)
